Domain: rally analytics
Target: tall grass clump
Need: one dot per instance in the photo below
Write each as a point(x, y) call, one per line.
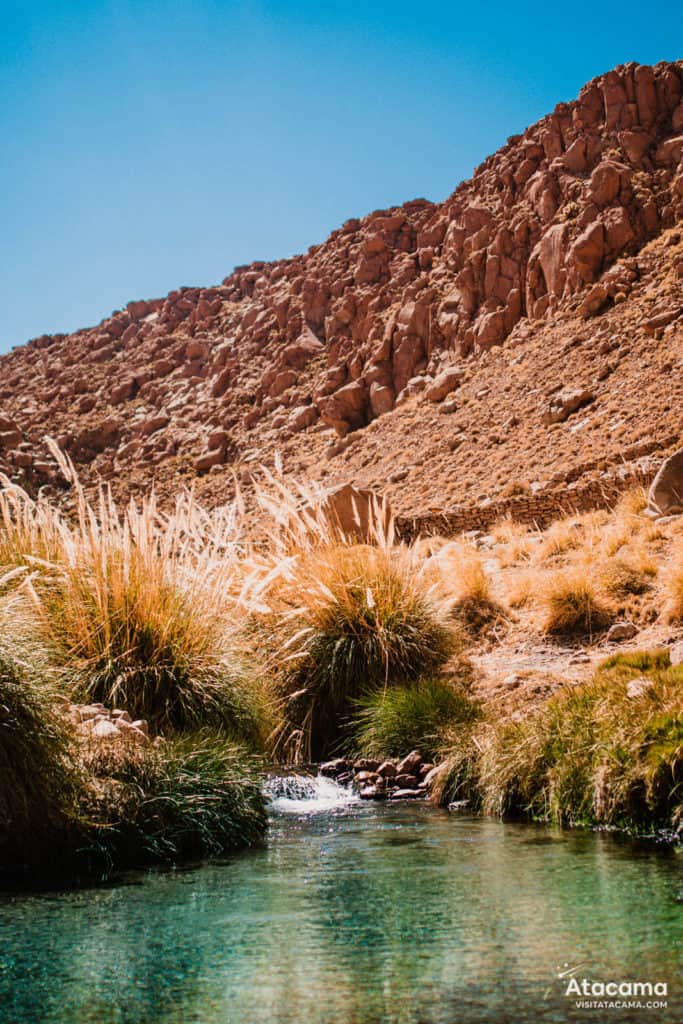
point(142, 610)
point(607, 753)
point(391, 722)
point(462, 573)
point(38, 779)
point(346, 618)
point(190, 796)
point(571, 602)
point(353, 619)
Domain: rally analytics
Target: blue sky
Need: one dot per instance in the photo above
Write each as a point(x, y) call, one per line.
point(149, 145)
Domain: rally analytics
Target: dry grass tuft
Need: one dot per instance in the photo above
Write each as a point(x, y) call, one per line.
point(571, 603)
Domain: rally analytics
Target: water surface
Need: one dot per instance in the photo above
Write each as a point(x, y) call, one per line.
point(354, 914)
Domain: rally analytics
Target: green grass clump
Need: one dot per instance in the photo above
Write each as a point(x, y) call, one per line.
point(192, 796)
point(600, 754)
point(353, 619)
point(391, 722)
point(38, 780)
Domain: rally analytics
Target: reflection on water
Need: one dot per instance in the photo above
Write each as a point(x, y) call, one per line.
point(354, 914)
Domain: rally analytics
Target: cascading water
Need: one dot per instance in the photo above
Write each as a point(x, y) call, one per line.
point(306, 794)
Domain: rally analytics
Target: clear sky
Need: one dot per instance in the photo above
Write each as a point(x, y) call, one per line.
point(147, 145)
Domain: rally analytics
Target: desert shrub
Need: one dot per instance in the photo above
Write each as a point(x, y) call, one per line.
point(572, 603)
point(349, 619)
point(391, 722)
point(195, 795)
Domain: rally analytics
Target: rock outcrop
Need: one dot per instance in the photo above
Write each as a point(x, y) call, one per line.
point(560, 255)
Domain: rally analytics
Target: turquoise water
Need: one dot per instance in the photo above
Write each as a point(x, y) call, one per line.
point(354, 914)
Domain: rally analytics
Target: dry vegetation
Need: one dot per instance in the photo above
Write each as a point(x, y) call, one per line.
point(293, 648)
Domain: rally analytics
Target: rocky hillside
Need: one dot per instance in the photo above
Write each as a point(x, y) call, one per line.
point(522, 336)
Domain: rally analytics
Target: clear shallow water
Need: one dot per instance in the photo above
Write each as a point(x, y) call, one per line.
point(354, 914)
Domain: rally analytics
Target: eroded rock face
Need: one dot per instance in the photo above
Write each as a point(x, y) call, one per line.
point(332, 339)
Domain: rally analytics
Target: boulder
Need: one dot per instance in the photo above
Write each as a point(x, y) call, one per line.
point(356, 513)
point(566, 402)
point(666, 491)
point(445, 383)
point(410, 763)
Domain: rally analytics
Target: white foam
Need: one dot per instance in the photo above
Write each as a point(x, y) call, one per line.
point(306, 794)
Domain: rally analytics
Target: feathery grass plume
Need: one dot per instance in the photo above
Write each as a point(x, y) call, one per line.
point(30, 532)
point(347, 619)
point(195, 795)
point(142, 610)
point(390, 722)
point(609, 753)
point(572, 603)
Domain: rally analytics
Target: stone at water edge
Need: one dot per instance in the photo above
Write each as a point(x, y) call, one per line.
point(405, 781)
point(431, 776)
point(407, 794)
point(410, 763)
point(367, 764)
point(367, 779)
point(387, 770)
point(330, 769)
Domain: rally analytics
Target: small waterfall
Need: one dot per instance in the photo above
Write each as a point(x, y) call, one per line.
point(306, 794)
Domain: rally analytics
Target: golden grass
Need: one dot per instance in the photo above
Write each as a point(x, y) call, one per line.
point(140, 609)
point(673, 592)
point(571, 602)
point(347, 619)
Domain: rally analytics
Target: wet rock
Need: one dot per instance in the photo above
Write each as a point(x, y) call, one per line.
point(431, 776)
point(387, 770)
point(330, 769)
point(367, 779)
point(367, 764)
point(410, 763)
point(404, 781)
point(407, 794)
point(458, 805)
